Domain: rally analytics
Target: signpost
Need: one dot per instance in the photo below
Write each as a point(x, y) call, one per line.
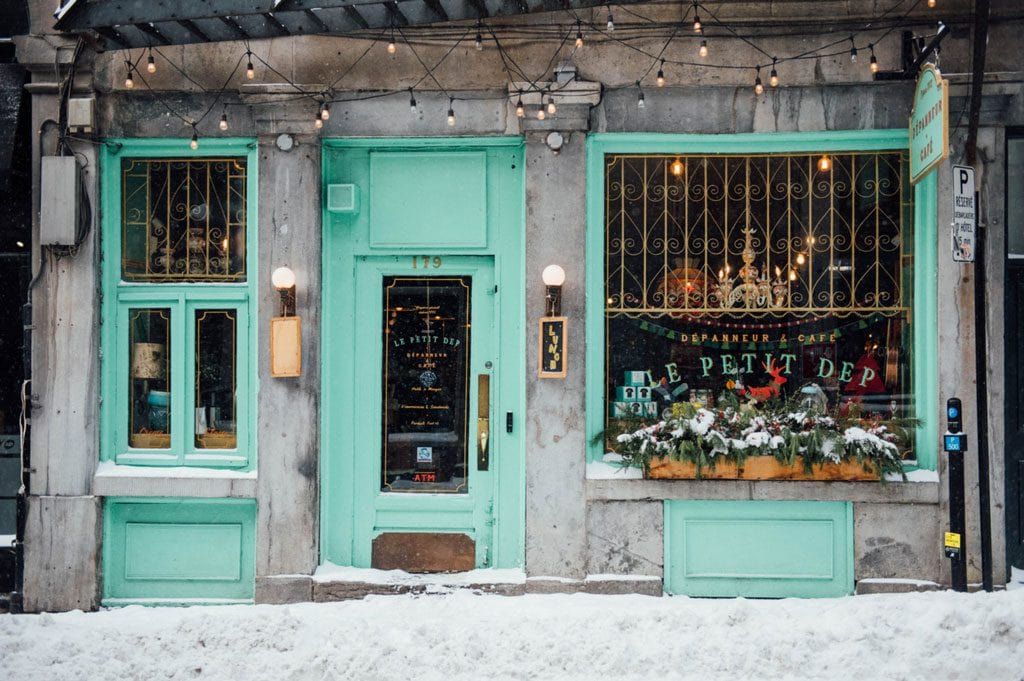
point(965, 214)
point(929, 123)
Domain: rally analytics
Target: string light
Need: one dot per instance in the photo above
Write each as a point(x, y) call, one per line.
point(479, 42)
point(250, 72)
point(552, 109)
point(541, 113)
point(611, 22)
point(703, 51)
point(150, 63)
point(792, 275)
point(451, 112)
point(853, 51)
point(317, 121)
point(224, 121)
point(873, 62)
point(391, 43)
point(325, 111)
point(758, 85)
point(661, 74)
point(520, 109)
point(800, 259)
point(579, 34)
point(698, 28)
point(129, 82)
point(194, 142)
point(640, 103)
point(773, 77)
point(824, 163)
point(412, 101)
point(931, 3)
point(677, 167)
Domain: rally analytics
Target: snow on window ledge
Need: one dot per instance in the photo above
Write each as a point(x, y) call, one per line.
point(109, 469)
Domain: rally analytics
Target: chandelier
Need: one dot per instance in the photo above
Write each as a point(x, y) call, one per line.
point(755, 290)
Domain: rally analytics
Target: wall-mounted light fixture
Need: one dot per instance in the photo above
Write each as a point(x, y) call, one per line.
point(286, 330)
point(554, 277)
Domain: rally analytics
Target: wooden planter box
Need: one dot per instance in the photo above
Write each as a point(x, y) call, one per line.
point(218, 440)
point(150, 440)
point(758, 468)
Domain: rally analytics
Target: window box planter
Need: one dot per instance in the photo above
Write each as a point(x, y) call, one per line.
point(758, 468)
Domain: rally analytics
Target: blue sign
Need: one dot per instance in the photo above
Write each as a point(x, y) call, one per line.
point(954, 442)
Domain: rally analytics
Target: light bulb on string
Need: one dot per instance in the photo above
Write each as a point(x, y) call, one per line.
point(325, 111)
point(677, 167)
point(317, 121)
point(150, 63)
point(703, 51)
point(640, 103)
point(773, 77)
point(552, 109)
point(392, 48)
point(541, 113)
point(520, 109)
point(129, 82)
point(579, 34)
point(792, 275)
point(611, 22)
point(824, 163)
point(451, 112)
point(697, 26)
point(758, 85)
point(250, 72)
point(412, 101)
point(660, 80)
point(223, 125)
point(194, 142)
point(800, 259)
point(853, 51)
point(478, 42)
point(873, 62)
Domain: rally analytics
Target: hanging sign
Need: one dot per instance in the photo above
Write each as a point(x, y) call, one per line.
point(965, 214)
point(929, 123)
point(551, 347)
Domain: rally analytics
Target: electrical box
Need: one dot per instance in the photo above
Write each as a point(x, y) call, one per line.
point(60, 187)
point(81, 112)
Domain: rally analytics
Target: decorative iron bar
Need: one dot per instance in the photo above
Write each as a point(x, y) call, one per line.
point(183, 219)
point(762, 236)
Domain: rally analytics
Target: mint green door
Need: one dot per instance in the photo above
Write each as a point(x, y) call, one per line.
point(422, 437)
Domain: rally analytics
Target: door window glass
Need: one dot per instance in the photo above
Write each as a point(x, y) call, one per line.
point(424, 444)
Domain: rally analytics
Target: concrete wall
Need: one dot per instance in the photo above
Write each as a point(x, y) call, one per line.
point(574, 526)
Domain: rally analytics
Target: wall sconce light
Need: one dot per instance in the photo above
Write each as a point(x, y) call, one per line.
point(554, 277)
point(286, 330)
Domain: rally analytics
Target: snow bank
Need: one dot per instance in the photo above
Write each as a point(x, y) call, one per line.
point(941, 635)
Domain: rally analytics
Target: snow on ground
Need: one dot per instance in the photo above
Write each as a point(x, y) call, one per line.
point(462, 635)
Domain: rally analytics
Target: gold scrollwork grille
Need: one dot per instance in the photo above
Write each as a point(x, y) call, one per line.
point(763, 236)
point(183, 219)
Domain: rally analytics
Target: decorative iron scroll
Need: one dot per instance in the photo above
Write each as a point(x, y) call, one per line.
point(183, 219)
point(762, 236)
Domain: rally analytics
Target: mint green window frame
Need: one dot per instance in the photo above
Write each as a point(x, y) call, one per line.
point(183, 300)
point(924, 314)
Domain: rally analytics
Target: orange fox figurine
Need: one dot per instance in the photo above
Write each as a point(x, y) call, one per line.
point(772, 389)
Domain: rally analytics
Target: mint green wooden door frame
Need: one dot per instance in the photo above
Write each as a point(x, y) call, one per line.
point(346, 530)
point(925, 313)
point(120, 296)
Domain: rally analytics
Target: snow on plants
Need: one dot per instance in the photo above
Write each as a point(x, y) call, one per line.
point(462, 635)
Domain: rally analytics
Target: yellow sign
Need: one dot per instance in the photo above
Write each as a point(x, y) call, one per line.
point(952, 540)
point(929, 123)
point(551, 344)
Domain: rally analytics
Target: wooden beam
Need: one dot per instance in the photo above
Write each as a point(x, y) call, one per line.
point(273, 21)
point(396, 15)
point(355, 16)
point(435, 7)
point(316, 21)
point(233, 26)
point(191, 27)
point(480, 7)
point(113, 35)
point(153, 33)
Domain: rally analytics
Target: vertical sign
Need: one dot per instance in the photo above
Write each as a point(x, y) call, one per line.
point(551, 350)
point(965, 214)
point(929, 123)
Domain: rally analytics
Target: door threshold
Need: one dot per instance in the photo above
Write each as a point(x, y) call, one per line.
point(335, 582)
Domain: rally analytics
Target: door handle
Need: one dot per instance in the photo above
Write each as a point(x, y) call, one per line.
point(483, 422)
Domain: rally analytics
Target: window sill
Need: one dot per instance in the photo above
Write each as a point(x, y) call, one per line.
point(118, 480)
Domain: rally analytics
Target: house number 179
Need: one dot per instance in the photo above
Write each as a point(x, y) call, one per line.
point(425, 261)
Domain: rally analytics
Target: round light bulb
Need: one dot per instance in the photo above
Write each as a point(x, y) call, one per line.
point(553, 275)
point(250, 72)
point(792, 275)
point(874, 63)
point(391, 47)
point(318, 123)
point(283, 278)
point(800, 259)
point(224, 121)
point(552, 109)
point(150, 64)
point(128, 82)
point(579, 40)
point(677, 167)
point(824, 164)
point(703, 51)
point(451, 117)
point(520, 109)
point(773, 79)
point(660, 80)
point(541, 114)
point(758, 86)
point(479, 42)
point(325, 112)
point(194, 142)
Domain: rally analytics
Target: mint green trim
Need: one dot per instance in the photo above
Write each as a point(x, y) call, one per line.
point(178, 551)
point(182, 299)
point(348, 520)
point(759, 549)
point(925, 313)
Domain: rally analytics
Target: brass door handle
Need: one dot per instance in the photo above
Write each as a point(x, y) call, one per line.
point(483, 422)
point(483, 426)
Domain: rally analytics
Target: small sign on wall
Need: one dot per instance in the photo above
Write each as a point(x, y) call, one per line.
point(285, 347)
point(965, 214)
point(551, 347)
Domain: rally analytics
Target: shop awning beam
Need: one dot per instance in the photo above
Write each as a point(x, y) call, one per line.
point(125, 24)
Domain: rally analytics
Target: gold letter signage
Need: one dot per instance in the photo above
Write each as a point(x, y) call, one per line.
point(929, 123)
point(551, 352)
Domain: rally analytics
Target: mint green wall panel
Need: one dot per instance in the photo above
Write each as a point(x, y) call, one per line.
point(163, 550)
point(767, 549)
point(436, 199)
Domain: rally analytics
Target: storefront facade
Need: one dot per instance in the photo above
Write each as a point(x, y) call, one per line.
point(729, 258)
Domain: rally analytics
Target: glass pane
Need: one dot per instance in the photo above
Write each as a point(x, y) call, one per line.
point(758, 282)
point(1015, 196)
point(426, 384)
point(183, 220)
point(149, 339)
point(216, 363)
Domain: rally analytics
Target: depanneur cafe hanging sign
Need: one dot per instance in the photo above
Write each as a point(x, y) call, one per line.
point(929, 123)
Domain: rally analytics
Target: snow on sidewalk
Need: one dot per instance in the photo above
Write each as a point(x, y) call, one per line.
point(462, 635)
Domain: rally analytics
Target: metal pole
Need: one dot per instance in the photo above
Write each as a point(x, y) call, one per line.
point(957, 522)
point(979, 47)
